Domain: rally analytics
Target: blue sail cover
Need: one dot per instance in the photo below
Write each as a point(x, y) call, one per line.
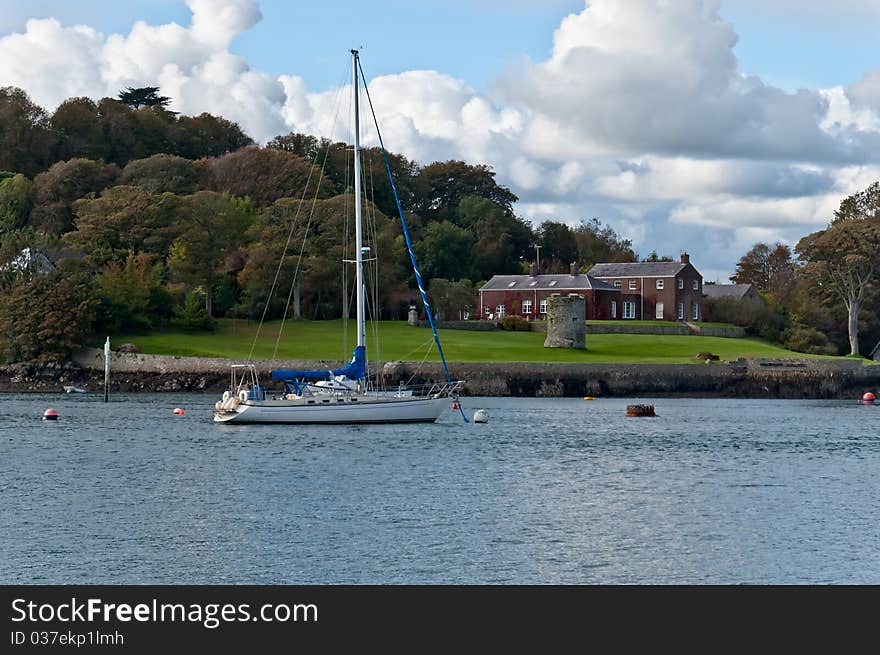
point(356, 369)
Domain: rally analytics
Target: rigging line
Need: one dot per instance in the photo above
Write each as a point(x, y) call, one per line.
point(412, 255)
point(287, 242)
point(308, 227)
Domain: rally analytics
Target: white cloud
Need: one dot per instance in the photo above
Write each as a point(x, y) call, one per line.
point(640, 116)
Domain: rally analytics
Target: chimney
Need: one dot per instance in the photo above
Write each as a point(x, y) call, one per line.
point(533, 269)
point(685, 258)
point(573, 269)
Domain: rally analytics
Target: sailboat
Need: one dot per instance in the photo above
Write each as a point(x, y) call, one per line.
point(341, 395)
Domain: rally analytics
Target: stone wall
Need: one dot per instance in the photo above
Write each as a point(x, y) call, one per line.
point(755, 378)
point(623, 327)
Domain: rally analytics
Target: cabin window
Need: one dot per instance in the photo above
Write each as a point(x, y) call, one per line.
point(326, 400)
point(543, 307)
point(696, 311)
point(632, 285)
point(658, 311)
point(340, 400)
point(659, 284)
point(629, 309)
point(681, 311)
point(613, 309)
point(311, 402)
point(681, 283)
point(527, 306)
point(696, 285)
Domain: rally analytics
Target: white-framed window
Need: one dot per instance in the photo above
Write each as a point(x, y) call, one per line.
point(542, 307)
point(658, 311)
point(629, 309)
point(660, 284)
point(616, 284)
point(488, 311)
point(527, 306)
point(500, 311)
point(613, 309)
point(696, 285)
point(696, 311)
point(632, 285)
point(681, 283)
point(681, 311)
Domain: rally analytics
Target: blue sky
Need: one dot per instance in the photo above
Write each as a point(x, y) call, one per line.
point(699, 125)
point(476, 39)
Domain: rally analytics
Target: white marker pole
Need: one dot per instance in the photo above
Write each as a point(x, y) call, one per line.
point(107, 370)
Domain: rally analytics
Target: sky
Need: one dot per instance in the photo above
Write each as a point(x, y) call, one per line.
point(687, 125)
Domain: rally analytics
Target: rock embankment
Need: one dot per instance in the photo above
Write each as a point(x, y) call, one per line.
point(754, 378)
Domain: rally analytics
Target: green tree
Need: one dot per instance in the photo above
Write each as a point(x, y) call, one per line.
point(452, 300)
point(26, 140)
point(844, 259)
point(213, 226)
point(558, 246)
point(445, 251)
point(441, 186)
point(16, 198)
point(128, 294)
point(145, 96)
point(503, 240)
point(79, 130)
point(163, 173)
point(597, 243)
point(205, 135)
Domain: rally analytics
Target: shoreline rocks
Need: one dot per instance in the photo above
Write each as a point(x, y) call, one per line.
point(753, 378)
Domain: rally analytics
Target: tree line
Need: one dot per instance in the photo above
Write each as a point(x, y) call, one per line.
point(120, 215)
point(822, 297)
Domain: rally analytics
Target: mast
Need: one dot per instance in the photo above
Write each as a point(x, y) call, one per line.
point(358, 233)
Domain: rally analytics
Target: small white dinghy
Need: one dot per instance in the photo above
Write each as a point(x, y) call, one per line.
point(72, 389)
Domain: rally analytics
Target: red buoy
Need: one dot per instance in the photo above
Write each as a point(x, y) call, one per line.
point(50, 415)
point(178, 411)
point(868, 398)
point(454, 405)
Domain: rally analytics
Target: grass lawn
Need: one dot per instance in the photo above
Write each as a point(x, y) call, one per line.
point(397, 340)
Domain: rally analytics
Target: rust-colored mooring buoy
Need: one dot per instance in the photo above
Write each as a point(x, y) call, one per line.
point(50, 415)
point(640, 410)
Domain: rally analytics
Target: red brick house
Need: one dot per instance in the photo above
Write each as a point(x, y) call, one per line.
point(667, 291)
point(526, 295)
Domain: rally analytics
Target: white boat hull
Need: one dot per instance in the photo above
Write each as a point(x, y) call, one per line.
point(337, 409)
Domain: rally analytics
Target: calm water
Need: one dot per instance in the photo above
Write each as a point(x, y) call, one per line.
point(550, 490)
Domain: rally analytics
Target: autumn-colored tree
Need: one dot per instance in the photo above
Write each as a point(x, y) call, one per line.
point(16, 197)
point(79, 130)
point(844, 259)
point(205, 135)
point(130, 295)
point(264, 176)
point(125, 219)
point(57, 189)
point(45, 316)
point(598, 243)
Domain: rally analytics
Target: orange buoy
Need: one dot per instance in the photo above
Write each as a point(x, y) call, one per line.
point(179, 411)
point(50, 415)
point(640, 410)
point(868, 398)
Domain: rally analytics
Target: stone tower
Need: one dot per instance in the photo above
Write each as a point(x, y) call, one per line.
point(566, 327)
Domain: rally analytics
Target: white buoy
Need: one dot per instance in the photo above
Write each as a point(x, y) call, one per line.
point(481, 416)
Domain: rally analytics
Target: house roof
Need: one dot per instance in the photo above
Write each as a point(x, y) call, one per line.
point(726, 290)
point(562, 282)
point(637, 269)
